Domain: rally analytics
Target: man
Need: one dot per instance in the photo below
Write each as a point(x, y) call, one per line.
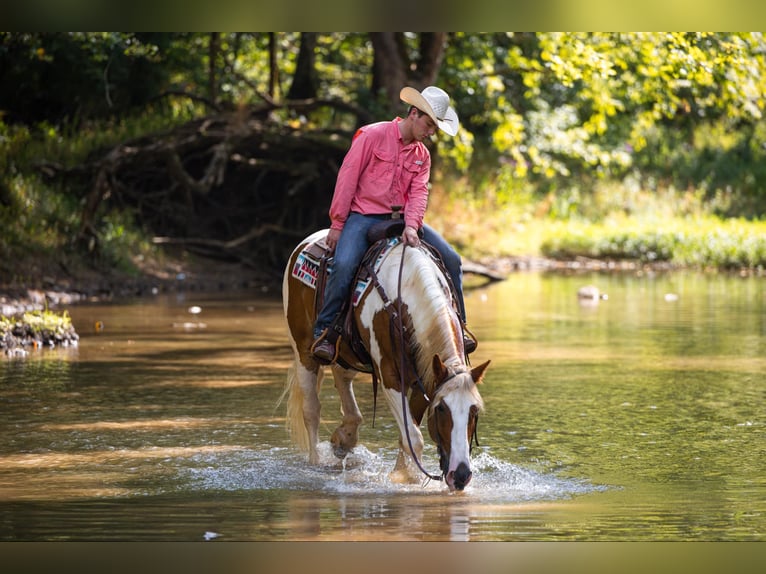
point(387, 165)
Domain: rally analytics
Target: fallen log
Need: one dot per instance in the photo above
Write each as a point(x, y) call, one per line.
point(482, 271)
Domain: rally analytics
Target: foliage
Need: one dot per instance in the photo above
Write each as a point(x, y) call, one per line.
point(597, 105)
point(42, 226)
point(703, 243)
point(35, 223)
point(57, 76)
point(563, 111)
point(36, 328)
point(557, 128)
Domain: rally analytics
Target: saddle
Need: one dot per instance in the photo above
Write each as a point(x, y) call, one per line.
point(312, 267)
point(315, 264)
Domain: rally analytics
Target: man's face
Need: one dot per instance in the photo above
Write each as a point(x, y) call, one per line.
point(423, 127)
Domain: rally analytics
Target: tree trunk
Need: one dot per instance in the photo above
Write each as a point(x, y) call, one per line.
point(388, 66)
point(214, 47)
point(273, 67)
point(305, 81)
point(432, 48)
point(393, 67)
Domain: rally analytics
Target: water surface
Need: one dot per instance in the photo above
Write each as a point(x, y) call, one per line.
point(640, 417)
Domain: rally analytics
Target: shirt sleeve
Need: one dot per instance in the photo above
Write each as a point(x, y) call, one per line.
point(417, 198)
point(348, 179)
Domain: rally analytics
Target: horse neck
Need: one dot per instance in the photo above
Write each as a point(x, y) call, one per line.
point(435, 325)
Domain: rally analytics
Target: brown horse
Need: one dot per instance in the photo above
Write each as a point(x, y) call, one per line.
point(412, 297)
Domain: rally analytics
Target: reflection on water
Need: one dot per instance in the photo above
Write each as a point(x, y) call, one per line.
point(638, 417)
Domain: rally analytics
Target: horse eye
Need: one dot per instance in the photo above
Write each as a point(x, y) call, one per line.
point(440, 408)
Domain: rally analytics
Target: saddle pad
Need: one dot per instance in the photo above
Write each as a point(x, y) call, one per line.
point(306, 267)
point(364, 282)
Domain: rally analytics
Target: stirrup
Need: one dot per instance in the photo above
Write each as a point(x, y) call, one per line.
point(323, 338)
point(469, 339)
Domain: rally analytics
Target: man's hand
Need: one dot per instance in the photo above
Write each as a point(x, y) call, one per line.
point(410, 236)
point(332, 239)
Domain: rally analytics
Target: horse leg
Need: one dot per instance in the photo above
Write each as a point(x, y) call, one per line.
point(345, 437)
point(311, 411)
point(405, 470)
point(303, 407)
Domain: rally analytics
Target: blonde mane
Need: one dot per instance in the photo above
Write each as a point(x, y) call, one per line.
point(432, 319)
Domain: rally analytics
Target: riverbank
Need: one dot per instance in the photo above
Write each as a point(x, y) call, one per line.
point(33, 315)
point(47, 284)
point(58, 290)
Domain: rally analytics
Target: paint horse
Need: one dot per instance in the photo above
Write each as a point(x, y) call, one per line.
point(411, 297)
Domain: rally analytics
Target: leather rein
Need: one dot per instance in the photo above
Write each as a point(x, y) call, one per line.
point(401, 373)
point(397, 321)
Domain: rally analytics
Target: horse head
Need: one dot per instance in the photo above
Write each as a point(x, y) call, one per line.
point(453, 414)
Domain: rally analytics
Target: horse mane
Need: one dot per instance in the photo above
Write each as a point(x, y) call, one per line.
point(431, 318)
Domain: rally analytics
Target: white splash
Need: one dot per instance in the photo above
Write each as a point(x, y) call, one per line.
point(367, 472)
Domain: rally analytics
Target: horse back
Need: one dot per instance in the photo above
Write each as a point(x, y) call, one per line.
point(302, 278)
point(298, 300)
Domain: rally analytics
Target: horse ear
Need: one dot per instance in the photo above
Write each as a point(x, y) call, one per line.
point(478, 372)
point(440, 369)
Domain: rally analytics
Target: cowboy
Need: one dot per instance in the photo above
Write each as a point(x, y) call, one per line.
point(387, 168)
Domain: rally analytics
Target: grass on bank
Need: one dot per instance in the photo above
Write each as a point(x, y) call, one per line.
point(39, 227)
point(40, 232)
point(699, 243)
point(614, 222)
point(39, 321)
point(40, 224)
point(36, 329)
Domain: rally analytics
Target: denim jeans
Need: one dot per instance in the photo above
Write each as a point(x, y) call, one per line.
point(452, 262)
point(352, 245)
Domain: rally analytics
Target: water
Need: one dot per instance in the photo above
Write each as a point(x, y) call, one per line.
point(637, 418)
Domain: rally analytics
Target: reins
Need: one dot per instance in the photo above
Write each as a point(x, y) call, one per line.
point(395, 310)
point(401, 371)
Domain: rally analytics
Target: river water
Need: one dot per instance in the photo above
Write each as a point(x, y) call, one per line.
point(640, 417)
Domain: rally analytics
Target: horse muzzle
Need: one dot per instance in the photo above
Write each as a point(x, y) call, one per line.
point(459, 478)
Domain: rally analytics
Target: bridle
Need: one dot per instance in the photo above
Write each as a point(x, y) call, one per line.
point(443, 460)
point(394, 309)
point(443, 457)
point(402, 358)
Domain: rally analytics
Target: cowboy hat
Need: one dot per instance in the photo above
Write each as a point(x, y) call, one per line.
point(435, 102)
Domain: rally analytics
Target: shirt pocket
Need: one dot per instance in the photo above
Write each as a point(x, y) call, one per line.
point(410, 170)
point(381, 169)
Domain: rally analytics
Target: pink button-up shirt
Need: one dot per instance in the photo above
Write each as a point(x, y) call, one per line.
point(380, 171)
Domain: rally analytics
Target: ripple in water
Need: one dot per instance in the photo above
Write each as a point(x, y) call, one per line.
point(366, 472)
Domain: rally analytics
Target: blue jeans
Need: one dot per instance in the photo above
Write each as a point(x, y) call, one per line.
point(452, 262)
point(352, 245)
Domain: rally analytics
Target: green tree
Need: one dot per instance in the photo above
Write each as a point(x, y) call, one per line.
point(548, 110)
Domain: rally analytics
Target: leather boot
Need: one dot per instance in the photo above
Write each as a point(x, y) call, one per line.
point(469, 341)
point(324, 350)
point(469, 344)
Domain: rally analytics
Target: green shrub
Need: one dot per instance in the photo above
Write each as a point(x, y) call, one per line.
point(706, 242)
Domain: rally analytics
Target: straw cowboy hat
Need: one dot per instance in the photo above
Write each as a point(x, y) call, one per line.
point(435, 102)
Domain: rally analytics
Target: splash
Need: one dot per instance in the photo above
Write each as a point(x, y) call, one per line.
point(365, 472)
